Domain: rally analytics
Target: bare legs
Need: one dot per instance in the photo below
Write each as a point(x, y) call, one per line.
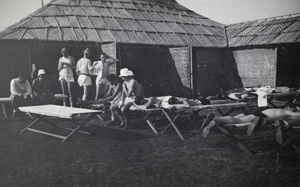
point(101, 90)
point(67, 89)
point(121, 113)
point(86, 92)
point(18, 101)
point(241, 118)
point(116, 112)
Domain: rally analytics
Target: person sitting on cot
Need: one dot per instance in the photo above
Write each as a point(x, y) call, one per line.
point(267, 115)
point(41, 89)
point(21, 93)
point(132, 90)
point(113, 97)
point(115, 88)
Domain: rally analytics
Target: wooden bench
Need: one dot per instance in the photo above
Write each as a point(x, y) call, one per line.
point(4, 100)
point(61, 97)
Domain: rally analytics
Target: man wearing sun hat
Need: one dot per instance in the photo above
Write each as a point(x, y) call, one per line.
point(41, 89)
point(132, 91)
point(83, 68)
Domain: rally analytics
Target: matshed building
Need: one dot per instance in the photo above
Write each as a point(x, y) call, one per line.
point(267, 51)
point(171, 49)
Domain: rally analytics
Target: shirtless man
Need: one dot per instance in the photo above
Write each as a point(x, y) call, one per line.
point(132, 91)
point(102, 69)
point(168, 102)
point(270, 115)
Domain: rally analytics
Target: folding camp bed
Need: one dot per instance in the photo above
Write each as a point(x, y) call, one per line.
point(292, 138)
point(221, 109)
point(229, 133)
point(290, 97)
point(5, 100)
point(61, 112)
point(172, 114)
point(148, 115)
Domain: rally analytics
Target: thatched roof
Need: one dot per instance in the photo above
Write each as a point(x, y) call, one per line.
point(277, 30)
point(156, 22)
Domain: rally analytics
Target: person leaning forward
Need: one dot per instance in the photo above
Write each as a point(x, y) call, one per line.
point(41, 89)
point(21, 93)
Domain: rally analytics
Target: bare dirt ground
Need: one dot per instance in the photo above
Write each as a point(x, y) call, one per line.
point(137, 157)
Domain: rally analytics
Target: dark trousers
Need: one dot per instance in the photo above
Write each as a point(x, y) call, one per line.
point(18, 101)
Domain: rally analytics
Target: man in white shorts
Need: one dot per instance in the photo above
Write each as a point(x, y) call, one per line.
point(101, 68)
point(83, 68)
point(66, 65)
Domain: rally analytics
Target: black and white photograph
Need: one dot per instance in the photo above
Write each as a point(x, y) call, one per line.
point(150, 93)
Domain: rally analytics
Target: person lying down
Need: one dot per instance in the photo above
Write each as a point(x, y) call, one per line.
point(269, 115)
point(167, 102)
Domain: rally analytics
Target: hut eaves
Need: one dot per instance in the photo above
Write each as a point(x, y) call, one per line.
point(155, 22)
point(277, 30)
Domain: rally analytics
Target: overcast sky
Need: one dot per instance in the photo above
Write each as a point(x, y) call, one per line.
point(234, 11)
point(223, 11)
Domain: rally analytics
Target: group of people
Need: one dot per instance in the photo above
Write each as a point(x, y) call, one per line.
point(39, 92)
point(120, 92)
point(22, 93)
point(84, 69)
point(121, 95)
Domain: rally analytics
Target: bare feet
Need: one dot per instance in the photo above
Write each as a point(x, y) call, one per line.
point(252, 126)
point(206, 130)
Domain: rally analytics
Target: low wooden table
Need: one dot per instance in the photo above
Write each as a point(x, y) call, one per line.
point(62, 112)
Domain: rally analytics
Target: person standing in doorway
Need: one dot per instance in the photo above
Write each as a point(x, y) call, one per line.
point(66, 65)
point(102, 68)
point(83, 68)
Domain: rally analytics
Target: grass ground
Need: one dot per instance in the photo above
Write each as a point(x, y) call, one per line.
point(136, 157)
